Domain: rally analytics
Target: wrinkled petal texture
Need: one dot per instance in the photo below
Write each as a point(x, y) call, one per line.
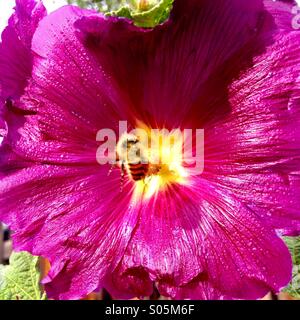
point(15, 49)
point(230, 67)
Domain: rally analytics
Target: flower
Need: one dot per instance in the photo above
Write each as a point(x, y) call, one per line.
point(228, 67)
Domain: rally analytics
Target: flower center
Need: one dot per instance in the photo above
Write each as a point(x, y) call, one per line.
point(152, 159)
point(142, 5)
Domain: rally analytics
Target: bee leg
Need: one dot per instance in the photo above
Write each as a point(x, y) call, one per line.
point(111, 170)
point(122, 176)
point(114, 165)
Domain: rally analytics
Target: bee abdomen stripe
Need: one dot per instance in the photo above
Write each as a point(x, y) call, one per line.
point(137, 177)
point(138, 169)
point(134, 174)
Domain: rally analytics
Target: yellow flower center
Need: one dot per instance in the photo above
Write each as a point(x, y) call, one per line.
point(153, 159)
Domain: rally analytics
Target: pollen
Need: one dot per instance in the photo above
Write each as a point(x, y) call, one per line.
point(165, 156)
point(143, 5)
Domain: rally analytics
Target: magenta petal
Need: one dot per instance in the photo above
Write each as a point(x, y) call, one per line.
point(73, 223)
point(281, 12)
point(257, 146)
point(126, 283)
point(198, 289)
point(70, 96)
point(184, 53)
point(72, 83)
point(10, 162)
point(15, 48)
point(211, 234)
point(213, 238)
point(164, 242)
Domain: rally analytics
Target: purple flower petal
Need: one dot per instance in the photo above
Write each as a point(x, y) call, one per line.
point(260, 150)
point(15, 49)
point(70, 92)
point(126, 283)
point(73, 224)
point(281, 12)
point(203, 228)
point(230, 67)
point(149, 65)
point(198, 289)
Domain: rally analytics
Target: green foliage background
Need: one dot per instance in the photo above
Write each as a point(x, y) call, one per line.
point(102, 5)
point(293, 244)
point(20, 280)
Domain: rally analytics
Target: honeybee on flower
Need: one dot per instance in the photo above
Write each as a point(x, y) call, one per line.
point(230, 68)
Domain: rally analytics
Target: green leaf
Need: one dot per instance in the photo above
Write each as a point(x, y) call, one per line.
point(20, 279)
point(293, 244)
point(102, 5)
point(145, 13)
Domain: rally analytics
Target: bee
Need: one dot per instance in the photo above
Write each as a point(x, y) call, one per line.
point(133, 159)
